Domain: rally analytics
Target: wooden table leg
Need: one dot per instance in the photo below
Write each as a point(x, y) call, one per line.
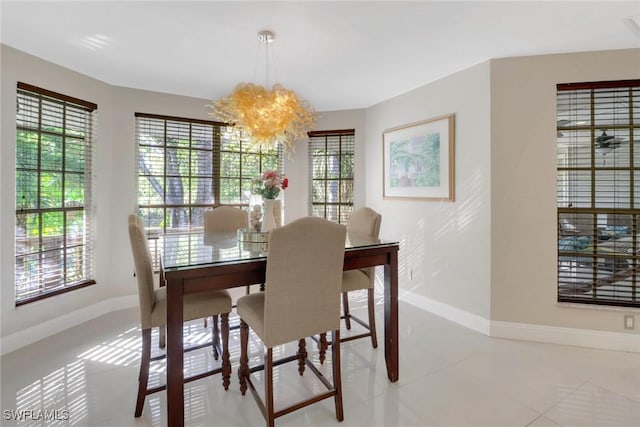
point(175, 362)
point(391, 344)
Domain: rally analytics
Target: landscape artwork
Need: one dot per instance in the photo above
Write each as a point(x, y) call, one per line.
point(419, 160)
point(415, 162)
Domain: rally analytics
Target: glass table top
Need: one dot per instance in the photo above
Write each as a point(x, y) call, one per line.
point(189, 249)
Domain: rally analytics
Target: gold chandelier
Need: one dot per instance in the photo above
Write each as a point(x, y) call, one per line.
point(266, 117)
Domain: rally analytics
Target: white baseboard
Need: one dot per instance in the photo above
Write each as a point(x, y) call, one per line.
point(53, 326)
point(521, 331)
point(464, 318)
point(570, 336)
point(617, 341)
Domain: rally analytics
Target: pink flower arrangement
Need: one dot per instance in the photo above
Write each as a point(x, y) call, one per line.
point(270, 183)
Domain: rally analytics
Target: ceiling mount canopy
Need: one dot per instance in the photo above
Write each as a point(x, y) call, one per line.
point(265, 117)
point(266, 36)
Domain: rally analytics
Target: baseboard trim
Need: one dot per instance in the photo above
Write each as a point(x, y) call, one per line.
point(53, 326)
point(461, 317)
point(520, 331)
point(604, 340)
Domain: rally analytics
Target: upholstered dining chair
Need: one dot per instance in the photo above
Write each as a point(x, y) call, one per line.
point(153, 312)
point(363, 221)
point(225, 218)
point(301, 299)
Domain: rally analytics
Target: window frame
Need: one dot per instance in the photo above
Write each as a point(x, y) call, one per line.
point(223, 143)
point(68, 250)
point(345, 148)
point(598, 203)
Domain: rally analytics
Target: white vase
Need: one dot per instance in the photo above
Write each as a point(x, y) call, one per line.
point(277, 212)
point(269, 220)
point(255, 212)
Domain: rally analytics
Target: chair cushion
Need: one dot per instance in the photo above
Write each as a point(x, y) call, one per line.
point(251, 310)
point(196, 306)
point(353, 280)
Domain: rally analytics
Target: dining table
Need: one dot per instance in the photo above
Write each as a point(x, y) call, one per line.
point(196, 261)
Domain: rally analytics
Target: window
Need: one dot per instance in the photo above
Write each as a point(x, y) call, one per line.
point(239, 168)
point(186, 166)
point(54, 233)
point(598, 192)
point(331, 157)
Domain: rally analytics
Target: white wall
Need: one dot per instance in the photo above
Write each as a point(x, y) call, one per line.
point(523, 177)
point(446, 245)
point(486, 259)
point(115, 185)
point(16, 66)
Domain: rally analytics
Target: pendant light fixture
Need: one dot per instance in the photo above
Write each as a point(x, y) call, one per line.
point(265, 117)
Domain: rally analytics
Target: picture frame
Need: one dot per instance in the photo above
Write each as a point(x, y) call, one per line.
point(419, 160)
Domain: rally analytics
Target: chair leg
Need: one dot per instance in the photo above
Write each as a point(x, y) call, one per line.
point(322, 347)
point(215, 336)
point(337, 376)
point(243, 370)
point(226, 364)
point(345, 307)
point(268, 387)
point(162, 333)
point(302, 355)
point(143, 377)
point(372, 317)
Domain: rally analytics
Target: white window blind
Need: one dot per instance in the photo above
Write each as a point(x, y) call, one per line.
point(54, 233)
point(187, 166)
point(598, 192)
point(331, 164)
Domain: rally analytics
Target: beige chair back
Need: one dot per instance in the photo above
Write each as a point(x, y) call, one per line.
point(303, 280)
point(225, 218)
point(144, 269)
point(366, 221)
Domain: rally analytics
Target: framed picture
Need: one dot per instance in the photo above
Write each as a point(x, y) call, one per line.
point(419, 160)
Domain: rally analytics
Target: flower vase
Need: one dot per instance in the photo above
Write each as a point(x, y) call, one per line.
point(277, 212)
point(255, 212)
point(269, 220)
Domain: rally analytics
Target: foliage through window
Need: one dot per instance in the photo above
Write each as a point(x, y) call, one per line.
point(53, 234)
point(187, 166)
point(598, 192)
point(331, 163)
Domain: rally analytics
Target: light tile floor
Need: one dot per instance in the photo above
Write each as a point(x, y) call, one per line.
point(449, 376)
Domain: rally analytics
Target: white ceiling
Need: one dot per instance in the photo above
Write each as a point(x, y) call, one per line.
point(337, 55)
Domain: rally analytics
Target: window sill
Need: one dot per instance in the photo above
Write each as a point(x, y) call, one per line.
point(55, 292)
point(598, 307)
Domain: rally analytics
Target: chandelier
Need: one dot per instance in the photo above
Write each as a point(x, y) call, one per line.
point(262, 117)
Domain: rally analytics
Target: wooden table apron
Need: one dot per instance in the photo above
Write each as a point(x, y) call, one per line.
point(188, 280)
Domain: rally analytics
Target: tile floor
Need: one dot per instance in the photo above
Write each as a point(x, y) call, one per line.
point(449, 376)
